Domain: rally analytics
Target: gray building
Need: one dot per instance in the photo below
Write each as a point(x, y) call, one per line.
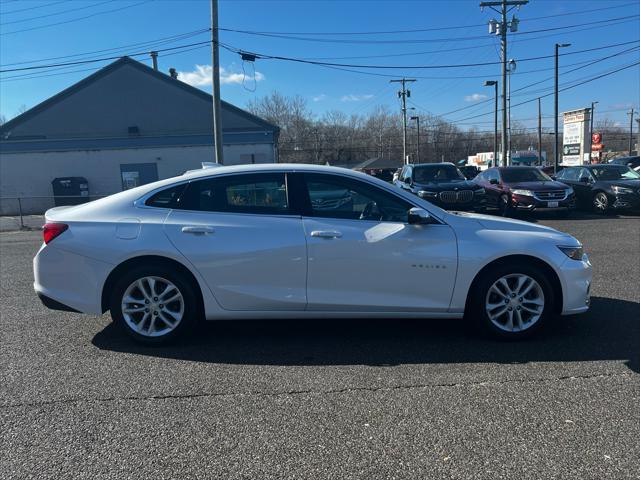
point(124, 125)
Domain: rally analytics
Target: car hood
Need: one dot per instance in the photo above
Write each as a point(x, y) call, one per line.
point(447, 185)
point(507, 224)
point(622, 183)
point(538, 186)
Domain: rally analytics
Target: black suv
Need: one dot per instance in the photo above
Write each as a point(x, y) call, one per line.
point(442, 184)
point(631, 162)
point(603, 187)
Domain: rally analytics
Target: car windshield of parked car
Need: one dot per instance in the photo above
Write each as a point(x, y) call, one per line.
point(436, 173)
point(611, 172)
point(517, 175)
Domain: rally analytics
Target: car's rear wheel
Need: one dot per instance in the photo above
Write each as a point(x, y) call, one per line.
point(513, 301)
point(154, 305)
point(601, 202)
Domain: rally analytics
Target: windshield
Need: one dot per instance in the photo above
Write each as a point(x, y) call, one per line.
point(517, 175)
point(614, 172)
point(436, 173)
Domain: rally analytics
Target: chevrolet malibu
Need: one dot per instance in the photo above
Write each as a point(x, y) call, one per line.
point(300, 241)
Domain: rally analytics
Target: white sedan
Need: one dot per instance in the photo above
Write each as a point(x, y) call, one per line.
point(300, 241)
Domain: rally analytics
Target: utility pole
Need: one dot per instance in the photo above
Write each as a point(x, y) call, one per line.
point(500, 28)
point(494, 83)
point(403, 94)
point(631, 131)
point(510, 69)
point(539, 132)
point(215, 57)
point(417, 120)
point(154, 59)
point(555, 110)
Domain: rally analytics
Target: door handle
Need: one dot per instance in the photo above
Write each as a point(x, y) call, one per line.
point(326, 234)
point(197, 230)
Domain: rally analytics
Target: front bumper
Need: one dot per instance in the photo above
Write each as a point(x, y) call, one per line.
point(530, 204)
point(576, 277)
point(476, 205)
point(627, 201)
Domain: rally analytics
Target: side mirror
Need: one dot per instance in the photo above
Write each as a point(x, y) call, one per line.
point(419, 216)
point(494, 181)
point(553, 177)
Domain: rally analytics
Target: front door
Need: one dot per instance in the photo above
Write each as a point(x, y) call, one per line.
point(239, 233)
point(364, 256)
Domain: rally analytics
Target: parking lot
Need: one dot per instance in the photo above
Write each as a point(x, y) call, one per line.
point(326, 398)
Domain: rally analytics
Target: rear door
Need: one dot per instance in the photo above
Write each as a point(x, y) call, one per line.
point(240, 234)
point(364, 256)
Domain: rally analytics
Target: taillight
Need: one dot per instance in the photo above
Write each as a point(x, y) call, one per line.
point(52, 230)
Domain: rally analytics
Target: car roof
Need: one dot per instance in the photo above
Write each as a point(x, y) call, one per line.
point(439, 164)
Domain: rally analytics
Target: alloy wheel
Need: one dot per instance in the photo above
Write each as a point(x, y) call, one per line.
point(515, 302)
point(601, 202)
point(152, 306)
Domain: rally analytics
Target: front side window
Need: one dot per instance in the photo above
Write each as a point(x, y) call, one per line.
point(338, 197)
point(253, 193)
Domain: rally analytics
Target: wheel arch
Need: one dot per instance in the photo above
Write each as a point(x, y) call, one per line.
point(550, 273)
point(155, 260)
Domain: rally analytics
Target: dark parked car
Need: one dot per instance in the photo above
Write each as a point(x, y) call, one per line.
point(631, 162)
point(604, 187)
point(442, 184)
point(511, 189)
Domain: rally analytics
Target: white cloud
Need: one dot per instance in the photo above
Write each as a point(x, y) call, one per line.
point(201, 76)
point(355, 98)
point(476, 97)
point(319, 98)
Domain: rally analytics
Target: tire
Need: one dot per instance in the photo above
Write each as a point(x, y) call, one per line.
point(504, 205)
point(600, 203)
point(169, 313)
point(516, 323)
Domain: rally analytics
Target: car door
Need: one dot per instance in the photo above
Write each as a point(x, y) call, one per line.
point(239, 232)
point(492, 190)
point(364, 256)
point(582, 186)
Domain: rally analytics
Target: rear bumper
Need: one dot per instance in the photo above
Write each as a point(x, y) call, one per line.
point(68, 281)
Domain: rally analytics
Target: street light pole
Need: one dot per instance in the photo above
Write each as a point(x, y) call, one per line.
point(494, 83)
point(555, 130)
point(510, 69)
point(417, 119)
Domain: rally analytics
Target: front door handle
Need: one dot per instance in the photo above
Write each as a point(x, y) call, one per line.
point(326, 234)
point(197, 229)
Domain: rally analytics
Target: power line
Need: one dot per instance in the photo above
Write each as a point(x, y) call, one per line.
point(76, 19)
point(428, 40)
point(32, 8)
point(61, 12)
point(149, 43)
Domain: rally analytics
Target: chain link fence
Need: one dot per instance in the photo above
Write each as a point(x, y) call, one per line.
point(27, 213)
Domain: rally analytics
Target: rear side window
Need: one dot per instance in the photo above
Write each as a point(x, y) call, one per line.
point(167, 198)
point(249, 193)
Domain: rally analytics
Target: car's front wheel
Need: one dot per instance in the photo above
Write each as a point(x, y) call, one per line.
point(513, 301)
point(601, 202)
point(154, 305)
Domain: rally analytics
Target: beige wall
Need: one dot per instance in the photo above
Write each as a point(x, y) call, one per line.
point(30, 174)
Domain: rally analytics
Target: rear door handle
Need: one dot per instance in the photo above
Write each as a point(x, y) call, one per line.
point(197, 230)
point(326, 234)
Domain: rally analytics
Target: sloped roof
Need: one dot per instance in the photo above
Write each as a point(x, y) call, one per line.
point(103, 72)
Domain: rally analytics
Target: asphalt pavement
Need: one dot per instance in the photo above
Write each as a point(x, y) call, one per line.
point(334, 399)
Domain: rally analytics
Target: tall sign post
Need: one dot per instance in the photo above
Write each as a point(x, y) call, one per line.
point(576, 139)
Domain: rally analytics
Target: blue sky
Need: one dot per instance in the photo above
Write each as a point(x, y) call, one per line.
point(116, 23)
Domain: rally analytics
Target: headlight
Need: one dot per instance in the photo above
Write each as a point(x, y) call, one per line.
point(480, 191)
point(569, 191)
point(619, 190)
point(575, 253)
point(426, 194)
point(525, 193)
